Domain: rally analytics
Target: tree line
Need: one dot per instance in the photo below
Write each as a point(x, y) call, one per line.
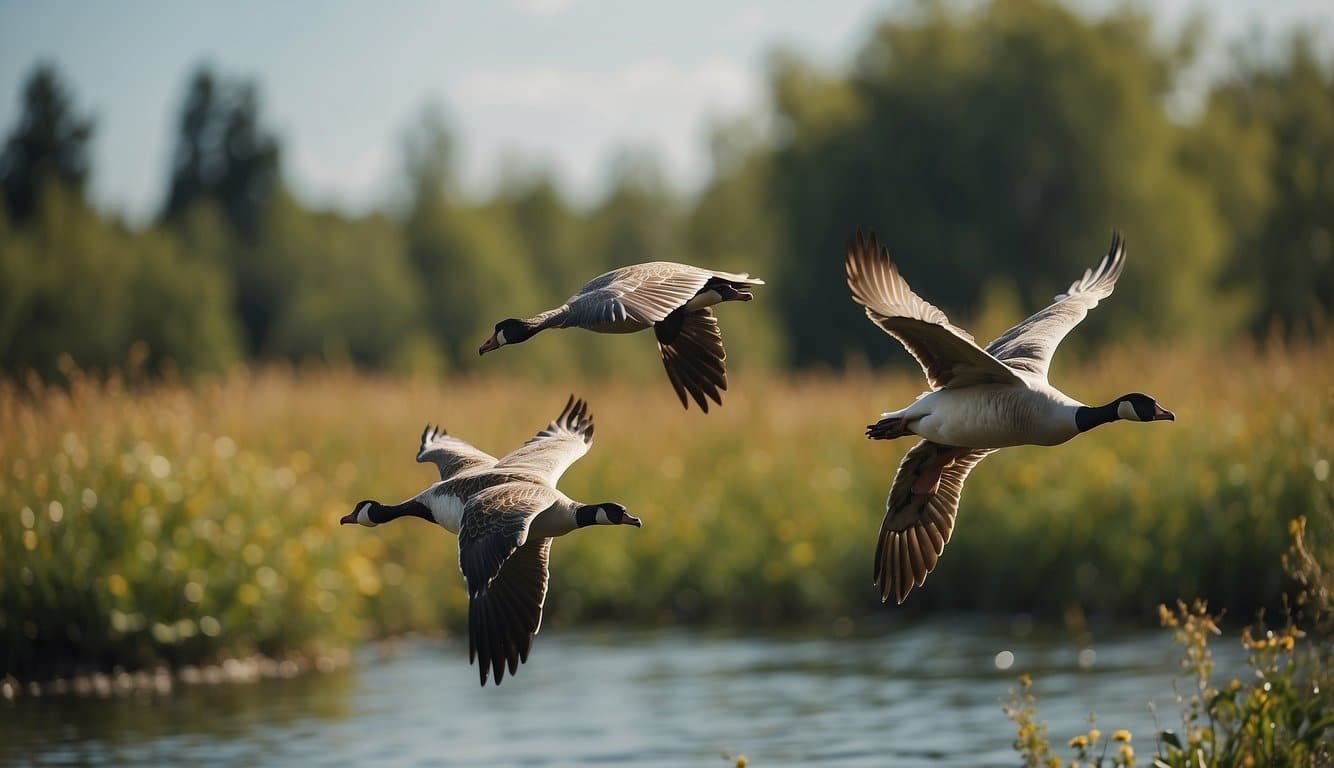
point(993, 148)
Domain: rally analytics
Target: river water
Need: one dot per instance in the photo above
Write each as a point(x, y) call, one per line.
point(900, 695)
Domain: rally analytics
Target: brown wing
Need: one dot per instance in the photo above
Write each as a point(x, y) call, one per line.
point(918, 525)
point(494, 524)
point(948, 355)
point(449, 454)
point(504, 617)
point(546, 456)
point(693, 355)
point(1029, 345)
point(642, 293)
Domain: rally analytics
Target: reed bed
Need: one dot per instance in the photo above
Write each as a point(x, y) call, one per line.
point(173, 523)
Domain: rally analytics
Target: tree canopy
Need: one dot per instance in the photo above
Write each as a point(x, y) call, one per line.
point(993, 147)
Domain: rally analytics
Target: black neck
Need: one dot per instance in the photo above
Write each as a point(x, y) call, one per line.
point(383, 513)
point(522, 330)
point(1087, 418)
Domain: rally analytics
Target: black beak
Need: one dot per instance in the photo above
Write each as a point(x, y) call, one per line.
point(1162, 414)
point(629, 519)
point(488, 345)
point(349, 519)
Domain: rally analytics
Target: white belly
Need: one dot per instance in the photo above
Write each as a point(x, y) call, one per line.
point(991, 416)
point(447, 510)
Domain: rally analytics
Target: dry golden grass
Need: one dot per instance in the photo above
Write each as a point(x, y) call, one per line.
point(182, 523)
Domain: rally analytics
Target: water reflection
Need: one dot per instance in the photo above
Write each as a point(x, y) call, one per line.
point(921, 695)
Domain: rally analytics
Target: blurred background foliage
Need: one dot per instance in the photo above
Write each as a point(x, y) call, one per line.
point(1002, 141)
point(158, 521)
point(188, 405)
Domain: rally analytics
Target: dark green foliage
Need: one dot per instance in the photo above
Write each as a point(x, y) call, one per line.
point(1267, 150)
point(992, 147)
point(1008, 140)
point(222, 153)
point(48, 146)
point(74, 284)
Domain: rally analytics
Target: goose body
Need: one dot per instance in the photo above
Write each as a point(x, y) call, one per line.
point(980, 400)
point(675, 300)
point(993, 416)
point(505, 512)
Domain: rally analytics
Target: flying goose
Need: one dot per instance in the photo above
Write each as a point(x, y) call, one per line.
point(980, 400)
point(672, 299)
point(505, 513)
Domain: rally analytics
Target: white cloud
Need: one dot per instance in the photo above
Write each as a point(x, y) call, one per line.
point(580, 116)
point(647, 83)
point(353, 181)
point(543, 7)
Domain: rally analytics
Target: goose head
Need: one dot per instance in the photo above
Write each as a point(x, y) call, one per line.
point(509, 331)
point(372, 513)
point(1140, 407)
point(361, 514)
point(608, 513)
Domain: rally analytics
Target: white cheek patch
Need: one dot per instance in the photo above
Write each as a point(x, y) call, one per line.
point(500, 338)
point(364, 516)
point(1127, 411)
point(602, 517)
point(705, 299)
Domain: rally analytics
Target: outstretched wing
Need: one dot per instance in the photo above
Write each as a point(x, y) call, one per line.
point(450, 454)
point(500, 567)
point(642, 293)
point(1029, 345)
point(918, 525)
point(694, 356)
point(948, 355)
point(503, 618)
point(546, 456)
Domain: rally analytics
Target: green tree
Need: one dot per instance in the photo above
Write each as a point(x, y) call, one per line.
point(73, 283)
point(1007, 139)
point(223, 153)
point(732, 226)
point(351, 296)
point(472, 269)
point(49, 145)
point(1265, 145)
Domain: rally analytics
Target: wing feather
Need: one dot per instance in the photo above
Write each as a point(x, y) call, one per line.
point(642, 293)
point(917, 526)
point(504, 618)
point(1029, 345)
point(546, 456)
point(694, 359)
point(948, 355)
point(449, 454)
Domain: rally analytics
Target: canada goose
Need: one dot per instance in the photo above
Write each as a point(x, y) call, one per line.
point(980, 400)
point(672, 299)
point(505, 514)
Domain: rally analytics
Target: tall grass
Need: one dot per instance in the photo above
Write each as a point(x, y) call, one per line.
point(165, 522)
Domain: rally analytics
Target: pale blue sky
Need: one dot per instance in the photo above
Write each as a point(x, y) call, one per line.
point(564, 83)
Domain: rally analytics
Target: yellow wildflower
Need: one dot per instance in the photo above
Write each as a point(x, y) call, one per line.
point(1286, 642)
point(1094, 735)
point(1079, 742)
point(1121, 735)
point(1166, 617)
point(1054, 762)
point(1127, 753)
